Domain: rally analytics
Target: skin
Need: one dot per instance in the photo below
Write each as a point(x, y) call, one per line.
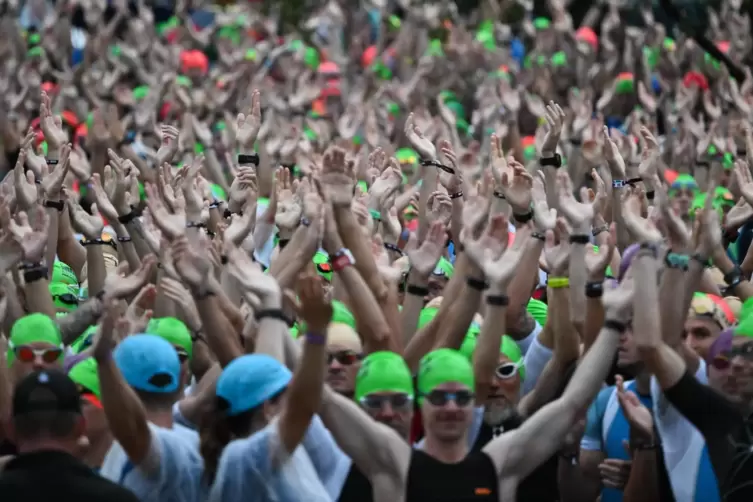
point(436, 286)
point(503, 398)
point(701, 334)
point(449, 423)
point(627, 354)
point(20, 369)
point(397, 419)
point(681, 200)
point(736, 381)
point(342, 378)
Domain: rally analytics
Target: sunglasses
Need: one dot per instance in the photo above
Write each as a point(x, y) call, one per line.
point(344, 357)
point(182, 354)
point(461, 398)
point(324, 268)
point(677, 192)
point(724, 360)
point(396, 401)
point(507, 370)
point(66, 298)
point(26, 354)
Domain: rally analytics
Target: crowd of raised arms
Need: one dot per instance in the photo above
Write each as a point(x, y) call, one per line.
point(389, 251)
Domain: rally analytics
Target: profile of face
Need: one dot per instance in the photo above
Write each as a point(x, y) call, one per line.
point(393, 409)
point(504, 393)
point(700, 334)
point(731, 372)
point(35, 356)
point(447, 412)
point(627, 352)
point(343, 363)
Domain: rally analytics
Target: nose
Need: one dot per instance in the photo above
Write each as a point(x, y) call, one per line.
point(335, 365)
point(737, 363)
point(451, 405)
point(386, 411)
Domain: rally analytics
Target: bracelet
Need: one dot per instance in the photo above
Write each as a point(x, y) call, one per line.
point(558, 282)
point(94, 242)
point(702, 163)
point(634, 181)
point(195, 224)
point(273, 314)
point(539, 235)
point(414, 290)
point(214, 204)
point(733, 278)
point(641, 446)
point(615, 325)
point(128, 218)
point(315, 338)
point(523, 218)
point(456, 195)
point(55, 204)
point(127, 238)
point(498, 300)
point(705, 262)
point(499, 195)
point(249, 159)
point(650, 194)
point(30, 265)
point(477, 284)
point(600, 230)
point(677, 261)
point(282, 243)
point(196, 336)
point(437, 164)
point(35, 274)
point(224, 259)
point(393, 247)
point(618, 183)
point(51, 162)
point(579, 239)
point(594, 289)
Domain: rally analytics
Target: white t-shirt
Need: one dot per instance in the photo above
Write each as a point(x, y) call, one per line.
point(172, 471)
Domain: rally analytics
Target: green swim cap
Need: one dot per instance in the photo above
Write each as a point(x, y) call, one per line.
point(183, 81)
point(538, 310)
point(140, 92)
point(34, 328)
point(507, 347)
point(426, 315)
point(84, 341)
point(444, 268)
point(383, 372)
point(340, 314)
point(60, 291)
point(407, 156)
point(85, 375)
point(541, 23)
point(442, 366)
point(231, 33)
point(323, 266)
point(250, 55)
point(559, 58)
point(62, 273)
point(529, 152)
point(172, 330)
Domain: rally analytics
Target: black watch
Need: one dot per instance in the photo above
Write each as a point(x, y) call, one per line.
point(554, 161)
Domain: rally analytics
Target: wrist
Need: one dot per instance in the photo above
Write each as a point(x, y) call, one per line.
point(271, 302)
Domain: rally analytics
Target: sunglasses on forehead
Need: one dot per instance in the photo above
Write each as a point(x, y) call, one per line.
point(27, 354)
point(377, 402)
point(324, 268)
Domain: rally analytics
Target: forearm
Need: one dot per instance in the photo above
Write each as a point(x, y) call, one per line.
point(78, 321)
point(623, 238)
point(38, 298)
point(486, 353)
point(95, 268)
point(566, 342)
point(68, 248)
point(412, 306)
point(220, 337)
point(136, 231)
point(427, 187)
point(371, 321)
point(452, 332)
point(592, 370)
point(352, 238)
point(577, 275)
point(52, 238)
point(594, 322)
point(643, 484)
point(671, 304)
point(127, 249)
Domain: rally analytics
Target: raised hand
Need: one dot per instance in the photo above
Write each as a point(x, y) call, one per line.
point(35, 162)
point(517, 185)
point(476, 208)
point(315, 309)
point(643, 230)
point(139, 311)
point(52, 126)
point(421, 143)
point(195, 207)
point(176, 292)
point(556, 257)
point(119, 287)
point(52, 182)
point(104, 205)
point(744, 180)
point(106, 340)
point(90, 225)
point(555, 118)
point(424, 258)
point(248, 125)
point(251, 278)
point(289, 205)
point(31, 238)
point(24, 185)
point(499, 167)
point(597, 261)
point(440, 208)
point(169, 147)
point(544, 218)
point(80, 166)
point(613, 156)
point(578, 214)
point(677, 232)
point(337, 178)
point(171, 225)
point(490, 252)
point(453, 182)
point(708, 235)
point(618, 302)
point(192, 263)
point(385, 186)
point(648, 168)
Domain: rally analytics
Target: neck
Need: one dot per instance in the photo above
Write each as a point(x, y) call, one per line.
point(161, 418)
point(448, 453)
point(643, 383)
point(47, 444)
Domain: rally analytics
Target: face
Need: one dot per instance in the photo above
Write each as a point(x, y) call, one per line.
point(35, 356)
point(436, 286)
point(504, 393)
point(344, 361)
point(731, 373)
point(627, 353)
point(393, 409)
point(700, 334)
point(681, 199)
point(447, 412)
point(185, 371)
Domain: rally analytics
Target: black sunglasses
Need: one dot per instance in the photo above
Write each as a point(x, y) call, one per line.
point(67, 298)
point(344, 357)
point(377, 402)
point(461, 398)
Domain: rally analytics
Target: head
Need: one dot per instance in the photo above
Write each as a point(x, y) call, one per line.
point(250, 393)
point(46, 413)
point(384, 389)
point(704, 324)
point(176, 333)
point(64, 297)
point(344, 354)
point(504, 393)
point(35, 344)
point(84, 375)
point(150, 365)
point(445, 386)
point(682, 192)
point(628, 359)
point(439, 278)
point(730, 366)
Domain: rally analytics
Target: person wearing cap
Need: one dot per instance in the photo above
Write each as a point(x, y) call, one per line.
point(84, 375)
point(706, 320)
point(344, 355)
point(139, 383)
point(175, 331)
point(34, 344)
point(47, 425)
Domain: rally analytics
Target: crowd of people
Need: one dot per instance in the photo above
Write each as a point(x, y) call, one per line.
point(392, 253)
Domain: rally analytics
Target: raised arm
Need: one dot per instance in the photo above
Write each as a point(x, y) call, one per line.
point(516, 454)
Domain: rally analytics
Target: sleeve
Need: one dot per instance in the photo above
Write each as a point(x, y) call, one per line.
point(330, 463)
point(535, 360)
point(526, 342)
point(242, 469)
point(264, 255)
point(594, 434)
point(705, 408)
point(173, 459)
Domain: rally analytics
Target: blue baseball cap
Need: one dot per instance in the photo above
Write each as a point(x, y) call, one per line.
point(148, 363)
point(250, 380)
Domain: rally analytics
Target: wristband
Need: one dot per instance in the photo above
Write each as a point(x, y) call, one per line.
point(201, 295)
point(650, 195)
point(498, 300)
point(438, 165)
point(554, 161)
point(634, 181)
point(210, 234)
point(127, 238)
point(645, 446)
point(539, 235)
point(523, 218)
point(95, 242)
point(214, 204)
point(579, 239)
point(51, 162)
point(224, 259)
point(249, 159)
point(703, 163)
point(195, 224)
point(499, 195)
point(558, 282)
point(35, 274)
point(650, 246)
point(600, 230)
point(414, 290)
point(392, 247)
point(477, 284)
point(615, 325)
point(128, 218)
point(594, 289)
point(30, 265)
point(273, 314)
point(55, 204)
point(315, 338)
point(456, 195)
point(677, 260)
point(705, 262)
point(618, 183)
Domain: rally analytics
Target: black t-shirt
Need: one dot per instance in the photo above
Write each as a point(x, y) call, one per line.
point(357, 487)
point(7, 448)
point(728, 434)
point(542, 484)
point(471, 480)
point(49, 475)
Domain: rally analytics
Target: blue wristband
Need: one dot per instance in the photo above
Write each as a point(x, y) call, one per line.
point(316, 338)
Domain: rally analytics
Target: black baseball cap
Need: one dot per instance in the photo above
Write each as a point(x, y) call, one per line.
point(46, 390)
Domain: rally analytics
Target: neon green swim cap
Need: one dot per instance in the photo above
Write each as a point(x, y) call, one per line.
point(507, 347)
point(383, 372)
point(426, 315)
point(61, 272)
point(407, 156)
point(172, 330)
point(444, 268)
point(34, 328)
point(538, 310)
point(84, 374)
point(443, 366)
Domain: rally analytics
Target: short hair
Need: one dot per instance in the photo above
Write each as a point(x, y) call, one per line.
point(157, 401)
point(52, 424)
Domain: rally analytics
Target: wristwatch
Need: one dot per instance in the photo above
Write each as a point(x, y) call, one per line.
point(554, 161)
point(342, 259)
